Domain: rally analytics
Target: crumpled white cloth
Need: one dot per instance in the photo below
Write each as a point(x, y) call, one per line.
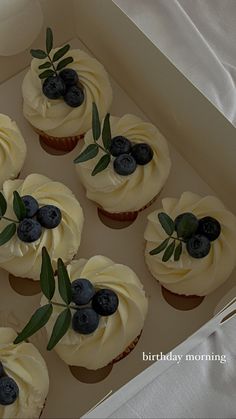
point(199, 38)
point(192, 389)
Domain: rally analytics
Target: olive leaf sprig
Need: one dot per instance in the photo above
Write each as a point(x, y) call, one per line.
point(52, 66)
point(171, 245)
point(43, 314)
point(20, 211)
point(92, 150)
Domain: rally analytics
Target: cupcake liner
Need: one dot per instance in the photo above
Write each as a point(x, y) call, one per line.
point(24, 286)
point(127, 351)
point(126, 216)
point(59, 143)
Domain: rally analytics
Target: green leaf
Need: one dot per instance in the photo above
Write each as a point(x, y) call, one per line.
point(45, 74)
point(3, 205)
point(47, 280)
point(19, 206)
point(38, 53)
point(45, 65)
point(64, 284)
point(167, 223)
point(89, 153)
point(169, 252)
point(7, 233)
point(178, 252)
point(106, 132)
point(61, 52)
point(64, 63)
point(49, 40)
point(159, 248)
point(37, 321)
point(102, 164)
point(96, 126)
point(60, 328)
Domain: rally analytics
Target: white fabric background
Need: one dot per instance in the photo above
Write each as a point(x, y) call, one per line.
point(199, 37)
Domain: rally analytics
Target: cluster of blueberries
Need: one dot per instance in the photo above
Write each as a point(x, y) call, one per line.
point(47, 216)
point(103, 302)
point(64, 85)
point(128, 156)
point(9, 390)
point(200, 233)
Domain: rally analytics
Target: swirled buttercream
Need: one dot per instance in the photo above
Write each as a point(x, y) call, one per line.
point(190, 276)
point(116, 193)
point(24, 259)
point(55, 117)
point(12, 149)
point(26, 366)
point(115, 333)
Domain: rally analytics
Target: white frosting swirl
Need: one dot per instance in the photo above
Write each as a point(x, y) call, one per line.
point(115, 333)
point(26, 366)
point(55, 117)
point(12, 149)
point(116, 193)
point(190, 276)
point(24, 259)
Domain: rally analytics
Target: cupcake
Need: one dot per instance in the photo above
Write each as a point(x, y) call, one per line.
point(128, 169)
point(51, 217)
point(24, 380)
point(58, 92)
point(12, 149)
point(108, 311)
point(191, 244)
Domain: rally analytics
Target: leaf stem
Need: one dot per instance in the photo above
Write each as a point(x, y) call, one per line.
point(9, 219)
point(52, 64)
point(64, 305)
point(177, 238)
point(102, 148)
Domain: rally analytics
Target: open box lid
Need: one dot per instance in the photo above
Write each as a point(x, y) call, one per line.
point(107, 407)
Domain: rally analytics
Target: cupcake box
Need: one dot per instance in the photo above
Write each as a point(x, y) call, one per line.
point(202, 146)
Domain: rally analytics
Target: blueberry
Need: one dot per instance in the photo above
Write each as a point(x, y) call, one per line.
point(29, 230)
point(124, 164)
point(74, 96)
point(120, 145)
point(105, 302)
point(54, 87)
point(186, 225)
point(2, 372)
point(85, 321)
point(82, 291)
point(31, 205)
point(142, 153)
point(198, 246)
point(9, 391)
point(209, 227)
point(49, 216)
point(69, 76)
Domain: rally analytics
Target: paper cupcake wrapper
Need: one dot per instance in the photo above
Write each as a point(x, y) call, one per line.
point(127, 351)
point(59, 143)
point(126, 216)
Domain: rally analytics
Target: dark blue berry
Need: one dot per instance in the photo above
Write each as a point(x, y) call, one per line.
point(85, 321)
point(124, 165)
point(186, 225)
point(29, 230)
point(82, 291)
point(198, 246)
point(120, 145)
point(49, 216)
point(54, 87)
point(74, 96)
point(209, 227)
point(142, 153)
point(69, 76)
point(9, 391)
point(31, 205)
point(105, 302)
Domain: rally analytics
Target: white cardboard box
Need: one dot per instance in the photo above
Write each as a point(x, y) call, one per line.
point(202, 144)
